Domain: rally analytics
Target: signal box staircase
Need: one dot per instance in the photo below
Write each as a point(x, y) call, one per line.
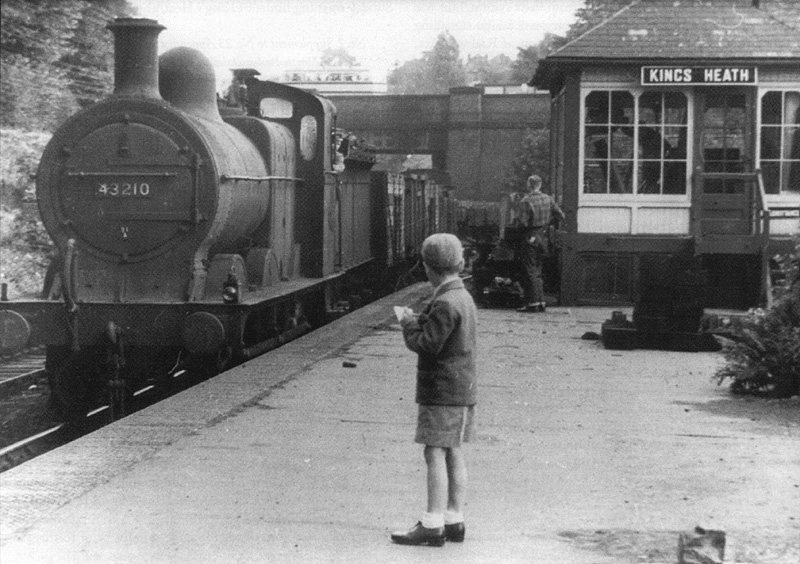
point(730, 247)
point(731, 217)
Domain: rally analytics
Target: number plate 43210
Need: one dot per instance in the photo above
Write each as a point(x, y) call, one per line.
point(125, 189)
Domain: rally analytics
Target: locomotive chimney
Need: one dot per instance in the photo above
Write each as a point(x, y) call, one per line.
point(136, 57)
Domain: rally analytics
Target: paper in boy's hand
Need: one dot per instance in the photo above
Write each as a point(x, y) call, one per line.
point(399, 311)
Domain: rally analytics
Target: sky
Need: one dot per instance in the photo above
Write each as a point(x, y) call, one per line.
point(273, 36)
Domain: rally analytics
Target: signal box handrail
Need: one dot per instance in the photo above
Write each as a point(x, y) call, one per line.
point(763, 214)
point(728, 175)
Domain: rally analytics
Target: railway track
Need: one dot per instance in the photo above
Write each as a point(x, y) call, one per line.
point(21, 371)
point(30, 428)
point(26, 422)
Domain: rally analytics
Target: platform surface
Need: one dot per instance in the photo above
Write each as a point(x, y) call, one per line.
point(584, 456)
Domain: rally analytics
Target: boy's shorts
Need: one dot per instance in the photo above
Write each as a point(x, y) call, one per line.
point(445, 425)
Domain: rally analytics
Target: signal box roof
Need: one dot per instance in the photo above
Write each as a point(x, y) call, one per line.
point(682, 31)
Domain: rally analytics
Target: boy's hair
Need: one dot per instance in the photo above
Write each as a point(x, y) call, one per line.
point(443, 253)
point(534, 181)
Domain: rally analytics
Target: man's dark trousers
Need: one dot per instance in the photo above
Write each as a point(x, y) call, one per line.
point(532, 257)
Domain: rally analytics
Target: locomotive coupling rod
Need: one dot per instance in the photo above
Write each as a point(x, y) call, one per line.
point(227, 178)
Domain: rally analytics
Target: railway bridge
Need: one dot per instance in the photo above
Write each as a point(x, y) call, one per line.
point(471, 132)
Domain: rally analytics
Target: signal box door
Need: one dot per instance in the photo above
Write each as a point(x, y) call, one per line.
point(724, 143)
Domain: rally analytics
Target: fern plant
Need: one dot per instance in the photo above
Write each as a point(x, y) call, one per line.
point(763, 354)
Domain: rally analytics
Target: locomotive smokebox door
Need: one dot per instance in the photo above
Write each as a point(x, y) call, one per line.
point(119, 206)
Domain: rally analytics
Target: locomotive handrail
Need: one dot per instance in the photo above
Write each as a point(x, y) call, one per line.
point(69, 276)
point(228, 178)
point(157, 174)
point(70, 291)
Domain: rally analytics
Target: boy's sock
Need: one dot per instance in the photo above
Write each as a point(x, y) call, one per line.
point(432, 520)
point(453, 517)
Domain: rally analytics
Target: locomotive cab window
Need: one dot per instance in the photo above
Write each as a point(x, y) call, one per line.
point(308, 137)
point(276, 108)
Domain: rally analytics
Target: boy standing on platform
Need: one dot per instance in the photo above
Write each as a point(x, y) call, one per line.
point(443, 336)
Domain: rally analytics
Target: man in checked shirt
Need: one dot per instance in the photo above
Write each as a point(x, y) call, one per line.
point(538, 211)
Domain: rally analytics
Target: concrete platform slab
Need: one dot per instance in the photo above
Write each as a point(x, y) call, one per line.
point(584, 456)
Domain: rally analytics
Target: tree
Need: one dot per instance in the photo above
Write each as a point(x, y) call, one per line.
point(408, 78)
point(55, 57)
point(89, 60)
point(439, 70)
point(338, 58)
point(533, 157)
point(593, 13)
point(524, 67)
point(32, 38)
point(480, 69)
point(445, 65)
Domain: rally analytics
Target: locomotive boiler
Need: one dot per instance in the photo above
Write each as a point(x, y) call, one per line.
point(185, 239)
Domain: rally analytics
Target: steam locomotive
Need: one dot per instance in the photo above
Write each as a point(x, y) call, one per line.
point(189, 240)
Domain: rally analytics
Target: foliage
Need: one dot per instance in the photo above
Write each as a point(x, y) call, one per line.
point(55, 58)
point(18, 162)
point(533, 157)
point(24, 244)
point(763, 356)
point(481, 69)
point(527, 60)
point(593, 13)
point(524, 66)
point(439, 70)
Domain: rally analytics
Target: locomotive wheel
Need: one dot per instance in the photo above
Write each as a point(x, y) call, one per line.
point(209, 365)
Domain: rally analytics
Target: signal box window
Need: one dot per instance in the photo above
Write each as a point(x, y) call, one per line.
point(635, 144)
point(662, 132)
point(780, 141)
point(608, 164)
point(724, 141)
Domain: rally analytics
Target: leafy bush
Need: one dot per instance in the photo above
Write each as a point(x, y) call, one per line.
point(763, 357)
point(24, 243)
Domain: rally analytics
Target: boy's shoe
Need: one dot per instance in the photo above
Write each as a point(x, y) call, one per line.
point(418, 535)
point(536, 307)
point(454, 532)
